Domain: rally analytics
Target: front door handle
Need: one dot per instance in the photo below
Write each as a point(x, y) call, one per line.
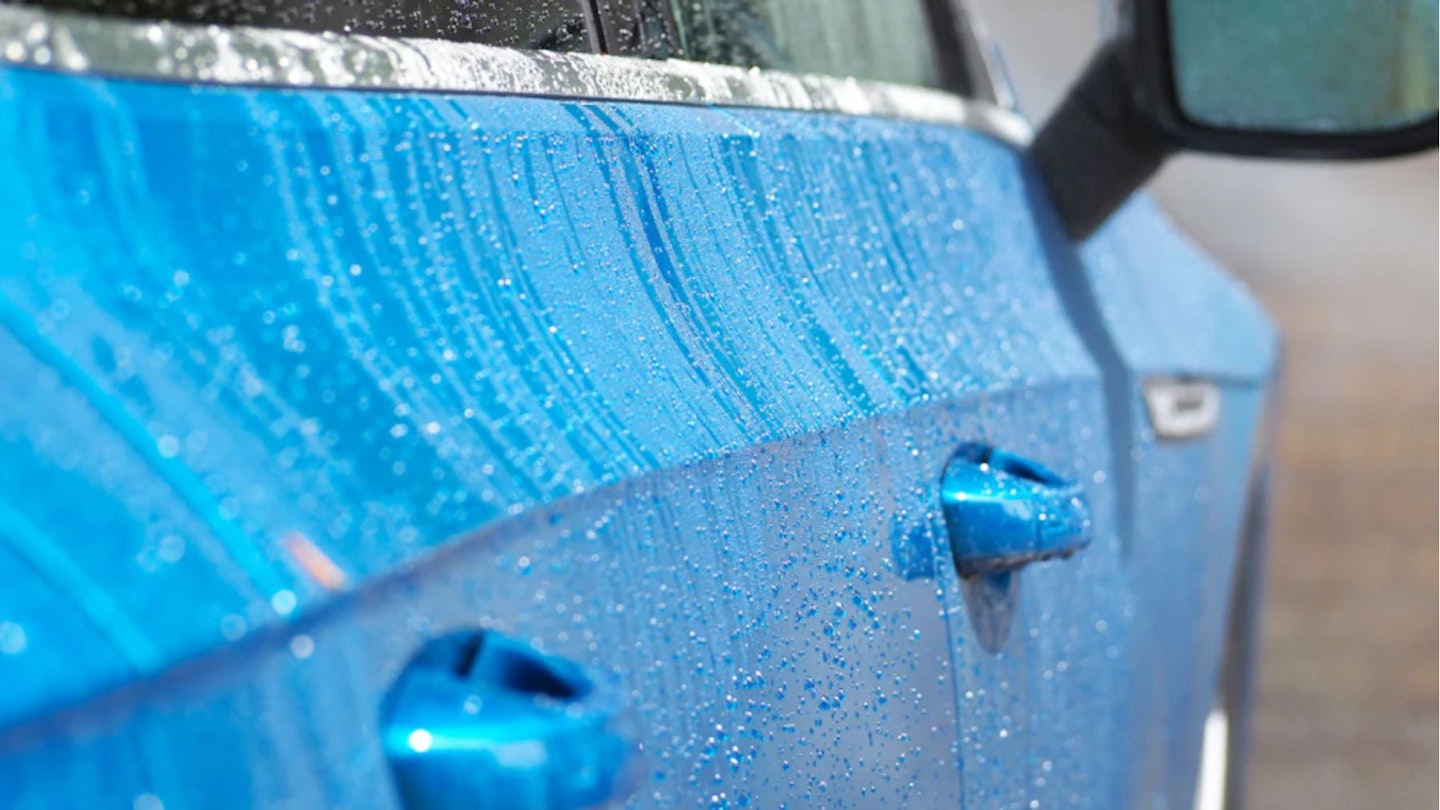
point(1003, 512)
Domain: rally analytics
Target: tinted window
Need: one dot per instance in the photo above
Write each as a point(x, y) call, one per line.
point(885, 40)
point(560, 25)
point(923, 42)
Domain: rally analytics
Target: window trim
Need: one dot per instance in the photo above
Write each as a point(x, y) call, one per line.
point(961, 62)
point(380, 18)
point(39, 38)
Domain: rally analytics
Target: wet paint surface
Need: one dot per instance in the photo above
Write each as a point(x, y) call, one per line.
point(295, 381)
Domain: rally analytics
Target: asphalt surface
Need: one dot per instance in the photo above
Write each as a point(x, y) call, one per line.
point(1345, 259)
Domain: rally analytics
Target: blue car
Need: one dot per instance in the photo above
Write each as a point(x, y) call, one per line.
point(573, 403)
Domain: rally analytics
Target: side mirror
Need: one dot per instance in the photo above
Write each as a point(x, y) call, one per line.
point(1319, 79)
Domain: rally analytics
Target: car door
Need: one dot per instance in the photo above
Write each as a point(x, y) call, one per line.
point(320, 347)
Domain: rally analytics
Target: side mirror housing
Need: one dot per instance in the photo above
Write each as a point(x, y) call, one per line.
point(1315, 79)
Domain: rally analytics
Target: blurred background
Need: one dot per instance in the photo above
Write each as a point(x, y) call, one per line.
point(1345, 259)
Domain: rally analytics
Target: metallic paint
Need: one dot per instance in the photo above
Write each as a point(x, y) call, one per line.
point(664, 390)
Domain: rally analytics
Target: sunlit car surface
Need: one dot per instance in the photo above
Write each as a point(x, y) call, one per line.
point(478, 420)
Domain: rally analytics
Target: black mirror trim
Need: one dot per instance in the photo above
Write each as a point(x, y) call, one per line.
point(1121, 120)
point(1098, 146)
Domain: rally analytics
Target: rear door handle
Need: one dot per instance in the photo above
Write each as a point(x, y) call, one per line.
point(1003, 512)
point(479, 721)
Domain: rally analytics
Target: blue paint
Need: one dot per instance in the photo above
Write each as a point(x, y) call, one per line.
point(660, 390)
point(91, 599)
point(176, 475)
point(1170, 308)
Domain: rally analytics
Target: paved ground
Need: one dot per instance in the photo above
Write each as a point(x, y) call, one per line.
point(1347, 710)
point(1345, 257)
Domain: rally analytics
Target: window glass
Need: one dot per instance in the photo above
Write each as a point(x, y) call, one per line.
point(1305, 65)
point(884, 40)
point(924, 42)
point(557, 25)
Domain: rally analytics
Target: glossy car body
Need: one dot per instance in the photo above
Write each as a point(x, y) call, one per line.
point(297, 379)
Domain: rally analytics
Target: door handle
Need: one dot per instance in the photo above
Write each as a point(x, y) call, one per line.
point(1003, 512)
point(483, 722)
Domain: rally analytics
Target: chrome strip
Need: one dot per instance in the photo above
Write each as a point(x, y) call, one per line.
point(1182, 409)
point(1214, 762)
point(239, 55)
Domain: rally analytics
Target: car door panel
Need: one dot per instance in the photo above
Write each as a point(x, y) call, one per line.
point(1174, 314)
point(665, 389)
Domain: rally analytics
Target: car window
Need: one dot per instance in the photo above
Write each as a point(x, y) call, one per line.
point(885, 40)
point(921, 42)
point(556, 25)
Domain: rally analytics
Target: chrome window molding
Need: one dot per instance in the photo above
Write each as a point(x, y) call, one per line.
point(239, 55)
